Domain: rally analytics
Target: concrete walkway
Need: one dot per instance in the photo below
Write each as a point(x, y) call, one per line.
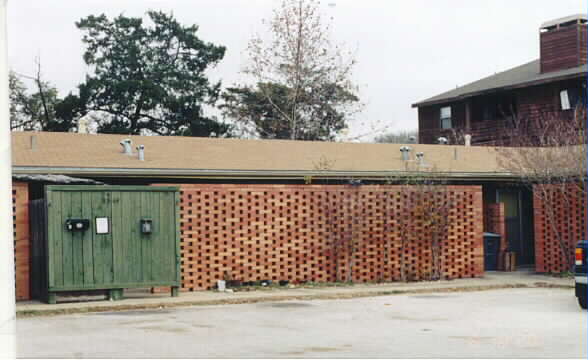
point(143, 299)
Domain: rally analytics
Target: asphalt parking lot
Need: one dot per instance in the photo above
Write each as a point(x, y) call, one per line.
point(512, 323)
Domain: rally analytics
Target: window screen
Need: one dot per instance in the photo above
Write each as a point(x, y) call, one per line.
point(446, 117)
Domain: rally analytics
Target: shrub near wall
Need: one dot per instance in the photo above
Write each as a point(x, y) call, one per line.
point(569, 222)
point(319, 233)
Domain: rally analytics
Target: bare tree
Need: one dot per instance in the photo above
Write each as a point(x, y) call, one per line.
point(36, 110)
point(399, 137)
point(303, 77)
point(424, 204)
point(548, 153)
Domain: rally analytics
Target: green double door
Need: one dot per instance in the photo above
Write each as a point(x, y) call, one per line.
point(108, 237)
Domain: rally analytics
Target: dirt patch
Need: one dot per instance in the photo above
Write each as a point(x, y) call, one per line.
point(315, 349)
point(137, 312)
point(431, 296)
point(410, 318)
point(473, 339)
point(202, 326)
point(175, 330)
point(135, 322)
point(286, 305)
point(553, 286)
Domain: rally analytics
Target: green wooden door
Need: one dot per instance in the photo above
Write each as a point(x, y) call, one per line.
point(117, 253)
point(143, 257)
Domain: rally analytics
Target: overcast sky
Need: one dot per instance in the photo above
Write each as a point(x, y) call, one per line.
point(407, 50)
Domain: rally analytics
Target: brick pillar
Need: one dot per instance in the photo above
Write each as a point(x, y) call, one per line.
point(22, 254)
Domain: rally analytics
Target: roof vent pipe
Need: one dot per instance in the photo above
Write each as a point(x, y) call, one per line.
point(468, 140)
point(33, 142)
point(141, 150)
point(126, 144)
point(420, 157)
point(405, 151)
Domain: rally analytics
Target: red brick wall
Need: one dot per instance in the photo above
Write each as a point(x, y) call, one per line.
point(313, 232)
point(562, 48)
point(569, 218)
point(20, 211)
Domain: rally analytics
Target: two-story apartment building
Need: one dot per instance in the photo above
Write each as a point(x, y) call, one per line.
point(552, 85)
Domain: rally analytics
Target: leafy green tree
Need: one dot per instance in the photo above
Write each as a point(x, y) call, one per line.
point(261, 109)
point(147, 76)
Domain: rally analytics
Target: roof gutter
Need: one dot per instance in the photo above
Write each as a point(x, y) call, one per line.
point(493, 90)
point(250, 174)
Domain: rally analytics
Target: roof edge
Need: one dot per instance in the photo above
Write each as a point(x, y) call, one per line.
point(126, 172)
point(579, 74)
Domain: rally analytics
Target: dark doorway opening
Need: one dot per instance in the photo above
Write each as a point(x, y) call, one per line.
point(518, 208)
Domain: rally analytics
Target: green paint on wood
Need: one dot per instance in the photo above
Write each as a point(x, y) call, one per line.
point(115, 294)
point(67, 236)
point(77, 240)
point(178, 273)
point(146, 240)
point(124, 257)
point(98, 211)
point(87, 240)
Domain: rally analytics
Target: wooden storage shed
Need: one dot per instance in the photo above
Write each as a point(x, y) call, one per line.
point(87, 238)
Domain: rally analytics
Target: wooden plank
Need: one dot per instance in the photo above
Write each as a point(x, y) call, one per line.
point(134, 241)
point(57, 223)
point(88, 239)
point(115, 223)
point(162, 255)
point(155, 237)
point(147, 202)
point(51, 251)
point(167, 249)
point(125, 238)
point(118, 233)
point(67, 239)
point(178, 255)
point(115, 294)
point(108, 240)
point(98, 210)
point(77, 240)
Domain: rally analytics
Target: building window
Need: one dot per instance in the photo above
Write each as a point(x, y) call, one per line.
point(446, 117)
point(565, 100)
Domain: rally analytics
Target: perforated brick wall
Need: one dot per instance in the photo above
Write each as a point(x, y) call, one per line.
point(567, 218)
point(319, 233)
point(20, 219)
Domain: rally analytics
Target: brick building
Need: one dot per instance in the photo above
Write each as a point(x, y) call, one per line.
point(294, 210)
point(548, 87)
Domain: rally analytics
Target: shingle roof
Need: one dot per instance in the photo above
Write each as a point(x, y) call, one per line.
point(69, 153)
point(523, 75)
